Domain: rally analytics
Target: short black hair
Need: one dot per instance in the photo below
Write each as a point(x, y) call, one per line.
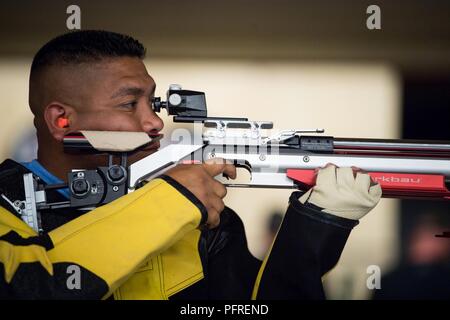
point(83, 46)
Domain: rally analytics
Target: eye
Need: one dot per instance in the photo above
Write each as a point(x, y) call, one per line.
point(129, 105)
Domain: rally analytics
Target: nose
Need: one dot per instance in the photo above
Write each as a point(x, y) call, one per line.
point(150, 121)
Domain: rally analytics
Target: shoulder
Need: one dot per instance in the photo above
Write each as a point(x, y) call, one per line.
point(12, 167)
point(11, 182)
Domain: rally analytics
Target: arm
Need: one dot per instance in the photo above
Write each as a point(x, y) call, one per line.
point(308, 244)
point(106, 244)
point(313, 234)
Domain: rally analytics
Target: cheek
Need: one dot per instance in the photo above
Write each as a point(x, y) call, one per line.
point(107, 121)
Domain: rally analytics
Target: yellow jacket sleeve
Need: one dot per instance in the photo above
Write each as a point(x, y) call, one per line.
point(106, 245)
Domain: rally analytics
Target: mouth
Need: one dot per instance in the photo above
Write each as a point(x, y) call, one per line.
point(154, 145)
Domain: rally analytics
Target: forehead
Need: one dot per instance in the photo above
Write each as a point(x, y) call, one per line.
point(117, 72)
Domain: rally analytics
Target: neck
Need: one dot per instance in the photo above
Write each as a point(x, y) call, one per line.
point(51, 155)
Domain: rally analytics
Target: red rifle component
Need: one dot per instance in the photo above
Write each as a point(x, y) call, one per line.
point(394, 185)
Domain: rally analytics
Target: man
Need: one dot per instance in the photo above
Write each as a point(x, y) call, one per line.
point(148, 244)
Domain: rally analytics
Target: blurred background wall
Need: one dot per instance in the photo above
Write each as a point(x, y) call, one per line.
point(300, 64)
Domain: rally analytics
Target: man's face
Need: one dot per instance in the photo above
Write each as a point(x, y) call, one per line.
point(118, 97)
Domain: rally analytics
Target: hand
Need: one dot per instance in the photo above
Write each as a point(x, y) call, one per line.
point(345, 192)
point(199, 179)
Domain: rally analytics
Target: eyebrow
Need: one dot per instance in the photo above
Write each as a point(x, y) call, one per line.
point(132, 91)
point(128, 91)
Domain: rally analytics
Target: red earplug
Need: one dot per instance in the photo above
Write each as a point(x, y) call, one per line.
point(63, 122)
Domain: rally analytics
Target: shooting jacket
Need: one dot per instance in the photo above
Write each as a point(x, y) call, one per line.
point(148, 245)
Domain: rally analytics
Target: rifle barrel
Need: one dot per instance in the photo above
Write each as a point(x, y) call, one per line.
point(379, 146)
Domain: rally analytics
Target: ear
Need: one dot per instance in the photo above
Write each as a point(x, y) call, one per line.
point(56, 114)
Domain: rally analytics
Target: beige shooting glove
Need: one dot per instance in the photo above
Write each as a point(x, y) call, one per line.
point(340, 193)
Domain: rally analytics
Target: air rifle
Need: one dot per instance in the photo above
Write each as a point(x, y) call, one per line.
point(282, 159)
